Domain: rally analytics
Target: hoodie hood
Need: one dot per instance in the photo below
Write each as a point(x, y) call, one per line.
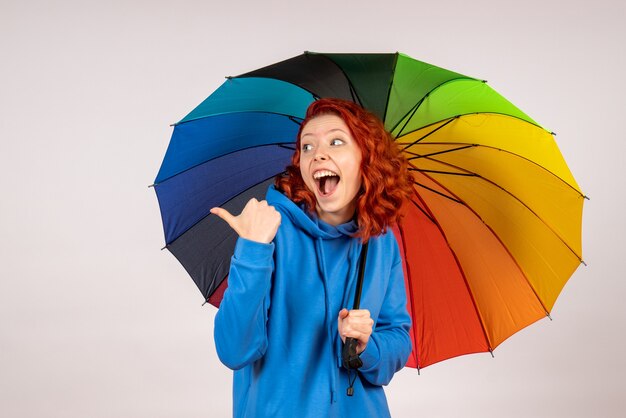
point(308, 222)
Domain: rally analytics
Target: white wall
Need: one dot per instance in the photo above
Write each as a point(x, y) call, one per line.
point(96, 321)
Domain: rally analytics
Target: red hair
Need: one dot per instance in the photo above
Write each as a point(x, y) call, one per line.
point(385, 178)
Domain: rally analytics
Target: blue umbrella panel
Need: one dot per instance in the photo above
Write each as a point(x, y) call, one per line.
point(225, 152)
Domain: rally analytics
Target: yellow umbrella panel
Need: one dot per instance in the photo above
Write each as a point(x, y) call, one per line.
point(509, 211)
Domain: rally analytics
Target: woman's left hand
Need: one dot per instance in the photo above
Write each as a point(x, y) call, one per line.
point(356, 324)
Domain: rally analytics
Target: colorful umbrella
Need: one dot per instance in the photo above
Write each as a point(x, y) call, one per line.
point(493, 230)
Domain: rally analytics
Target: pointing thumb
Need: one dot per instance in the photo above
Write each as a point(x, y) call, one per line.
point(223, 214)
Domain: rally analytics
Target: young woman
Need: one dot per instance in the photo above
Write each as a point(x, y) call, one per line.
point(284, 316)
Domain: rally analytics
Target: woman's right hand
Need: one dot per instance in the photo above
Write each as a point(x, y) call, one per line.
point(258, 221)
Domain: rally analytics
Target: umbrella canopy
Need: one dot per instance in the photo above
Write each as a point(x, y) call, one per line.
point(493, 230)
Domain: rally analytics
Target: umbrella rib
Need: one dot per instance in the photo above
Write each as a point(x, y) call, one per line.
point(393, 74)
point(439, 193)
point(422, 210)
point(414, 108)
point(279, 144)
point(353, 93)
point(429, 133)
point(408, 119)
point(458, 263)
point(416, 156)
point(291, 117)
point(441, 172)
point(408, 272)
point(474, 113)
point(355, 96)
point(313, 94)
point(215, 281)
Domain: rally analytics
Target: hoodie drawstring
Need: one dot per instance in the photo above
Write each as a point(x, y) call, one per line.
point(319, 253)
point(353, 255)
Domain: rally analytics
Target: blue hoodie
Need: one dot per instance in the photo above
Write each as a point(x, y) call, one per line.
point(277, 323)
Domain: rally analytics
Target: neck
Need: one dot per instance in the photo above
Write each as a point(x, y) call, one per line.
point(336, 218)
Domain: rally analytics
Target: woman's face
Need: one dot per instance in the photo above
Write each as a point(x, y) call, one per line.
point(330, 164)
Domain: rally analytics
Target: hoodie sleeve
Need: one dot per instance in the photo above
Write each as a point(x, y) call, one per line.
point(389, 345)
point(240, 323)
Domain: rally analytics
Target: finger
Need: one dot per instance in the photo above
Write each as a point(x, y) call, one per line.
point(250, 205)
point(353, 333)
point(362, 330)
point(363, 326)
point(360, 322)
point(359, 313)
point(343, 313)
point(223, 214)
point(252, 201)
point(357, 330)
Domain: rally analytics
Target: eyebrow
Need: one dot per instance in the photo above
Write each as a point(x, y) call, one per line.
point(331, 131)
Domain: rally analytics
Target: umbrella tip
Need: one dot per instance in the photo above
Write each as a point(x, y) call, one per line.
point(151, 185)
point(491, 352)
point(583, 261)
point(553, 133)
point(586, 197)
point(229, 77)
point(163, 248)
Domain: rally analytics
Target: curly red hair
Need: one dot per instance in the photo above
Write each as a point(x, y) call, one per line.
point(386, 180)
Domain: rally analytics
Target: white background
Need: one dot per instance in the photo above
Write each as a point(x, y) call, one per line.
point(96, 321)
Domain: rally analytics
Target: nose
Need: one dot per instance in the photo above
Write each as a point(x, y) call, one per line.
point(320, 156)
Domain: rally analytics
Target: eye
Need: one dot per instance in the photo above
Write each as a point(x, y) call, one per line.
point(337, 141)
point(307, 147)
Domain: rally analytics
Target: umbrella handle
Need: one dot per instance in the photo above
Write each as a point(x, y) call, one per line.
point(350, 358)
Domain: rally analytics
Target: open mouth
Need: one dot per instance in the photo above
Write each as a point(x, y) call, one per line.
point(326, 182)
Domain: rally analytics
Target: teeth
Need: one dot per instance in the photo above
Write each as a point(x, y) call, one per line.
point(323, 173)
